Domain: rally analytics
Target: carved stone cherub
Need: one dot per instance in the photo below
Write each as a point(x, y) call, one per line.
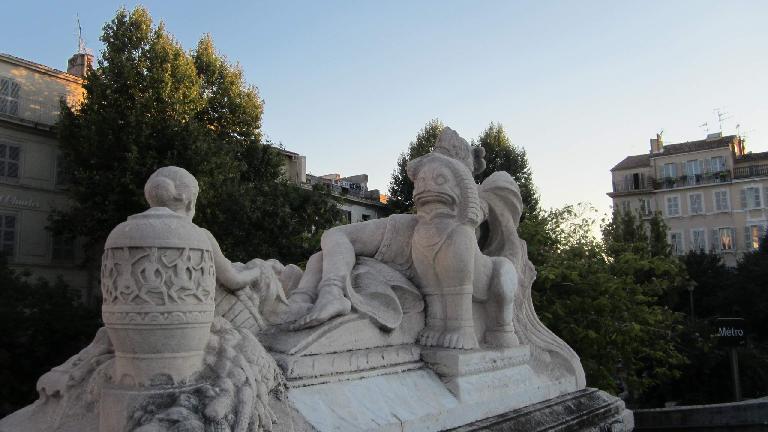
point(437, 249)
point(177, 189)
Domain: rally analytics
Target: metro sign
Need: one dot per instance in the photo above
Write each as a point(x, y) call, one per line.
point(731, 332)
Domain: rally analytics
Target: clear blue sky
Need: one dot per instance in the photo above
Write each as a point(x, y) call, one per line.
point(579, 85)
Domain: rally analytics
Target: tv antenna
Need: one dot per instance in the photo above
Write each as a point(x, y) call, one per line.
point(705, 126)
point(722, 116)
point(81, 49)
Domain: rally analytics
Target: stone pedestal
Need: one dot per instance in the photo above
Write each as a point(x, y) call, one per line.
point(584, 410)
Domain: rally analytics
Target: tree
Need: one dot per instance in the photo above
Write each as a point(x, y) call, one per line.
point(400, 186)
point(604, 298)
point(148, 104)
point(502, 155)
point(41, 325)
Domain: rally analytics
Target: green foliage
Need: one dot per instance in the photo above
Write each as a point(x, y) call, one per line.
point(41, 326)
point(604, 299)
point(150, 104)
point(720, 291)
point(502, 155)
point(400, 186)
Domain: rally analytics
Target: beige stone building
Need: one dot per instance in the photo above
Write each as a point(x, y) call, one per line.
point(32, 183)
point(712, 193)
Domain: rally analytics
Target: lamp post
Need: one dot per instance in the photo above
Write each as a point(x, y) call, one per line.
point(691, 287)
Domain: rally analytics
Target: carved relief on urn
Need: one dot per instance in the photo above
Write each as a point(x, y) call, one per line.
point(158, 283)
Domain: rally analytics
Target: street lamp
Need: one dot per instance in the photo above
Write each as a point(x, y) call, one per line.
point(691, 286)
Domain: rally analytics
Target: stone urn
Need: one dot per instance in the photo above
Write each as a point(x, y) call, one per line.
point(158, 282)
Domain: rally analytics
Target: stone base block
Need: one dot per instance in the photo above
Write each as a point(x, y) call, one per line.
point(584, 410)
point(415, 400)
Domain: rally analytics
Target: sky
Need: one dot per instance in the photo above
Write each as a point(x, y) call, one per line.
point(578, 85)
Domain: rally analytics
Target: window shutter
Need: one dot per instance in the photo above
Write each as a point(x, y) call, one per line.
point(747, 238)
point(743, 198)
point(757, 199)
point(761, 234)
point(765, 195)
point(706, 166)
point(715, 240)
point(734, 244)
point(15, 89)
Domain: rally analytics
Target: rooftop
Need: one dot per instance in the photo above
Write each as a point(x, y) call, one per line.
point(40, 68)
point(644, 160)
point(637, 161)
point(693, 146)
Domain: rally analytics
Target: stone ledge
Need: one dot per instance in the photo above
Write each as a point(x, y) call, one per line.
point(584, 410)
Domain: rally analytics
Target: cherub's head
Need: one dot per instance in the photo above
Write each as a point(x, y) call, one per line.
point(174, 188)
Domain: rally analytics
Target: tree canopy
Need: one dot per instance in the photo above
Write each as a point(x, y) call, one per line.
point(605, 299)
point(149, 104)
point(502, 155)
point(400, 186)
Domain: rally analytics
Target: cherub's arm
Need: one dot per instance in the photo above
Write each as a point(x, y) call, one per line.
point(226, 274)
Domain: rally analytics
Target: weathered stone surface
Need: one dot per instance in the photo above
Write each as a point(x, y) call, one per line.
point(415, 400)
point(585, 410)
point(346, 333)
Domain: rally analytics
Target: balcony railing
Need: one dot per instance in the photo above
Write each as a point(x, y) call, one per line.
point(692, 180)
point(651, 183)
point(631, 186)
point(750, 171)
point(32, 110)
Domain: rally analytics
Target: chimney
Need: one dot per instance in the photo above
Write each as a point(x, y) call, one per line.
point(79, 64)
point(657, 144)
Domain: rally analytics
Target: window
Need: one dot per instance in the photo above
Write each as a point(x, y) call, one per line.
point(698, 240)
point(9, 161)
point(693, 169)
point(750, 197)
point(348, 216)
point(753, 235)
point(669, 170)
point(9, 96)
point(725, 239)
point(62, 174)
point(626, 207)
point(366, 217)
point(676, 241)
point(721, 201)
point(717, 164)
point(7, 234)
point(695, 203)
point(673, 206)
point(645, 206)
point(63, 248)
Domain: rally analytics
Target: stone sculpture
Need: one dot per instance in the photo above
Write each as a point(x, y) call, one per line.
point(167, 361)
point(437, 249)
point(414, 322)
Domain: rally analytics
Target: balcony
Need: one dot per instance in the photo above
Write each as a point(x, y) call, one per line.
point(650, 183)
point(630, 186)
point(750, 171)
point(29, 110)
point(692, 180)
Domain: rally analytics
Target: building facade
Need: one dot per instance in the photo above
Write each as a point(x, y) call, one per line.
point(32, 184)
point(357, 202)
point(712, 193)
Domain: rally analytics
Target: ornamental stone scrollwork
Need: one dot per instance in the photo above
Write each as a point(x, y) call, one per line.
point(157, 276)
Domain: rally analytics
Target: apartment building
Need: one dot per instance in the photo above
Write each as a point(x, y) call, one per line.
point(32, 183)
point(357, 202)
point(712, 193)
